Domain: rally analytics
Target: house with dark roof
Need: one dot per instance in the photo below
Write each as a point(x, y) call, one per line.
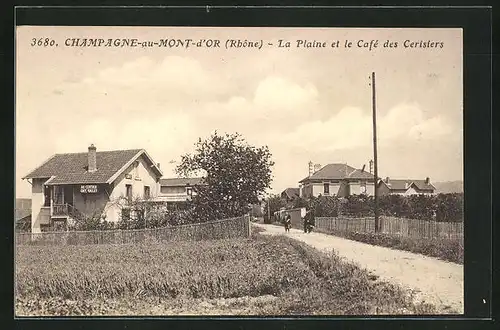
point(290, 194)
point(71, 185)
point(176, 191)
point(337, 180)
point(405, 187)
point(22, 214)
point(22, 208)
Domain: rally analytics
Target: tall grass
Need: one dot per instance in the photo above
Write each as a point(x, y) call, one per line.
point(226, 268)
point(83, 280)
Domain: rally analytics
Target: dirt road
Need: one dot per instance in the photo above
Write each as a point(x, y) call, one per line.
point(433, 281)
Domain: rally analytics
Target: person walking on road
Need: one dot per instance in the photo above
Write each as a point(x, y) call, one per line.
point(308, 221)
point(288, 223)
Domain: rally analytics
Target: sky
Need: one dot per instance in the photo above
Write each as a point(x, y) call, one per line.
point(305, 104)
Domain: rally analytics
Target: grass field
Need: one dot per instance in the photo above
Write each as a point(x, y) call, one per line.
point(255, 276)
point(444, 249)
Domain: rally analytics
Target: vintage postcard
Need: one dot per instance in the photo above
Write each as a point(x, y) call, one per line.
point(166, 171)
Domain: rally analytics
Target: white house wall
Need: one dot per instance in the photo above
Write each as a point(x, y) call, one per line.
point(306, 191)
point(146, 177)
point(337, 189)
point(319, 189)
point(334, 189)
point(370, 188)
point(37, 199)
point(354, 188)
point(176, 193)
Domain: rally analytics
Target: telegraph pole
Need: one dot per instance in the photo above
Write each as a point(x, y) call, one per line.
point(375, 163)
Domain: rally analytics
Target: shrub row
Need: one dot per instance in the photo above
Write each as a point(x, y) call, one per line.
point(222, 229)
point(440, 207)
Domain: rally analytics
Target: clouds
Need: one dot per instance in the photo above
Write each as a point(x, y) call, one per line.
point(171, 78)
point(352, 128)
point(305, 105)
point(279, 94)
point(163, 137)
point(275, 100)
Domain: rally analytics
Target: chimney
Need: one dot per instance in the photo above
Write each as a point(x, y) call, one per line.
point(158, 165)
point(317, 167)
point(92, 159)
point(363, 168)
point(387, 180)
point(427, 180)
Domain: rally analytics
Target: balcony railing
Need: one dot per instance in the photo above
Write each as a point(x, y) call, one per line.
point(65, 210)
point(177, 197)
point(60, 209)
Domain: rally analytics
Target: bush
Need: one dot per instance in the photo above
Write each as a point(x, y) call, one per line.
point(156, 218)
point(440, 207)
point(94, 221)
point(324, 206)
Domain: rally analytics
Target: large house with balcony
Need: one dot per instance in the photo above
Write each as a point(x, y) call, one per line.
point(176, 192)
point(337, 180)
point(405, 187)
point(72, 185)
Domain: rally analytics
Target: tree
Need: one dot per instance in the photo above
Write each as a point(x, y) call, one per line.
point(273, 204)
point(324, 206)
point(235, 175)
point(300, 202)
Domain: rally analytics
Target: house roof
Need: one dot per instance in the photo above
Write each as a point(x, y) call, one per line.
point(71, 168)
point(291, 192)
point(338, 172)
point(403, 184)
point(21, 213)
point(23, 208)
point(176, 182)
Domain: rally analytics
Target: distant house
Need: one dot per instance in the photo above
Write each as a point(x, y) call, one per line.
point(290, 194)
point(72, 185)
point(22, 208)
point(405, 187)
point(22, 214)
point(337, 180)
point(177, 191)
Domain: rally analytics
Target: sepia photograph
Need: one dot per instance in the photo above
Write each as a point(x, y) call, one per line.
point(238, 171)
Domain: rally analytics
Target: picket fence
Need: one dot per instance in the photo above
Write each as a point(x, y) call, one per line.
point(394, 226)
point(220, 229)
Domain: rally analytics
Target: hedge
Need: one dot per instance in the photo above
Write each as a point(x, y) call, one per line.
point(440, 207)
